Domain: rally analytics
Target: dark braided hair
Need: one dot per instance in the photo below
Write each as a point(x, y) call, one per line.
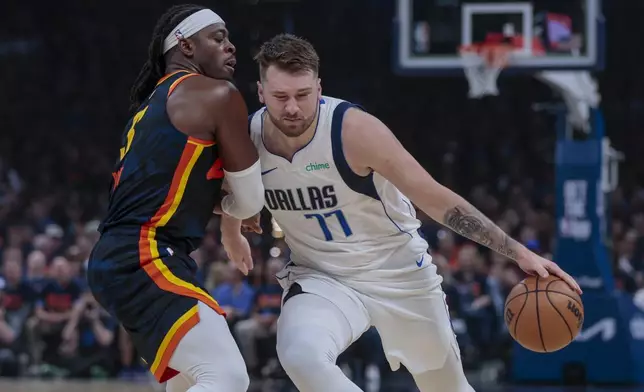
point(154, 67)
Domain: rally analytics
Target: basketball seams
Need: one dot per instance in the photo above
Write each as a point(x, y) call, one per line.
point(536, 299)
point(537, 286)
point(561, 292)
point(572, 337)
point(516, 322)
point(567, 295)
point(541, 291)
point(507, 301)
point(549, 291)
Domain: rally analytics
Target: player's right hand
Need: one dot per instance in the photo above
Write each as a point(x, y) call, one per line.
point(238, 250)
point(252, 224)
point(534, 264)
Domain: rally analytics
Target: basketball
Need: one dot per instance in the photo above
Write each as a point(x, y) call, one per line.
point(543, 315)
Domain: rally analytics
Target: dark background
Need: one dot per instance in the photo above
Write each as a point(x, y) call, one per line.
point(67, 67)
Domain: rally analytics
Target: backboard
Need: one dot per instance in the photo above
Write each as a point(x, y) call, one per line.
point(547, 34)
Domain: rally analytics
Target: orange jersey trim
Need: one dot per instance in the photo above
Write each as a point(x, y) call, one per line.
point(117, 178)
point(176, 82)
point(179, 329)
point(163, 79)
point(205, 143)
point(149, 258)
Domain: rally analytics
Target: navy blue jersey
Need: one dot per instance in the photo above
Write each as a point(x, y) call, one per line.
point(165, 183)
point(165, 186)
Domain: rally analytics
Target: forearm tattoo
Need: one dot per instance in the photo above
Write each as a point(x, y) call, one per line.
point(474, 225)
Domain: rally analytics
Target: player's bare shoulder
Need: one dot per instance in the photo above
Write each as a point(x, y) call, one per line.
point(362, 133)
point(202, 92)
point(358, 124)
point(199, 104)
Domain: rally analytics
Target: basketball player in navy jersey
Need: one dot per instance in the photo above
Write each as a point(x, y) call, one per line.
point(341, 187)
point(189, 130)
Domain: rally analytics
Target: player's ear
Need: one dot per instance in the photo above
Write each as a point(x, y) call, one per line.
point(260, 92)
point(187, 47)
point(319, 88)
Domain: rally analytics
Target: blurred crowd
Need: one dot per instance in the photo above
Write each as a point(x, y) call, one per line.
point(59, 135)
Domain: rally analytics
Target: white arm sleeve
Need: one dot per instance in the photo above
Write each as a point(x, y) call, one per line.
point(247, 192)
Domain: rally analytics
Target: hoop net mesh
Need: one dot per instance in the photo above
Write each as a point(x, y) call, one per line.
point(482, 64)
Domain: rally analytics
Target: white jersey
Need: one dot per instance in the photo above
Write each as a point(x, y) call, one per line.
point(334, 220)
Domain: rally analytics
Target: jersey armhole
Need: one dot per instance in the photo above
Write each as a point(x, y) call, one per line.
point(178, 81)
point(360, 184)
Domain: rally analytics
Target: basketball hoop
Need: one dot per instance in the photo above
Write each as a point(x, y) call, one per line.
point(482, 64)
point(579, 91)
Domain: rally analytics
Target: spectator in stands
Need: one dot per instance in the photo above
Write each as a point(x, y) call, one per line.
point(216, 275)
point(55, 234)
point(234, 295)
point(474, 296)
point(12, 254)
point(36, 271)
point(52, 313)
point(263, 321)
point(447, 246)
point(8, 337)
point(18, 297)
point(89, 334)
point(46, 245)
point(453, 300)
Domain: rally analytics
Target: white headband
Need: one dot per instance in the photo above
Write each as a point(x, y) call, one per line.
point(189, 26)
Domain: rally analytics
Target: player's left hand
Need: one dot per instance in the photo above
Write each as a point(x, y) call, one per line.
point(534, 264)
point(238, 250)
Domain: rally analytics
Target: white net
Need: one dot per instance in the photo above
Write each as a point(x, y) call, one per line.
point(482, 66)
point(579, 91)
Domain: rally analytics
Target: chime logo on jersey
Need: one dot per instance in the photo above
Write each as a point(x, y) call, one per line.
point(317, 166)
point(301, 199)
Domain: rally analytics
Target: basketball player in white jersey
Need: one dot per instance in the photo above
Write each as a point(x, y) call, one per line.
point(339, 185)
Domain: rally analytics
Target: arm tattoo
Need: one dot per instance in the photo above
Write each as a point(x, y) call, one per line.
point(468, 226)
point(475, 226)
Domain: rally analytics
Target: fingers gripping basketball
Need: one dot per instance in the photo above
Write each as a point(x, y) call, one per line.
point(543, 315)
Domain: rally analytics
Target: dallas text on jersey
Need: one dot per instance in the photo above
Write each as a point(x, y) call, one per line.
point(301, 199)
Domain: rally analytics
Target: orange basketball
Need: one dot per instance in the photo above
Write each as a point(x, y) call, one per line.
point(543, 315)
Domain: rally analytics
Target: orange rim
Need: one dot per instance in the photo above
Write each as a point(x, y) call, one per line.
point(497, 55)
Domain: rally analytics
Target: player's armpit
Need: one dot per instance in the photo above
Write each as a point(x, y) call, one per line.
point(368, 143)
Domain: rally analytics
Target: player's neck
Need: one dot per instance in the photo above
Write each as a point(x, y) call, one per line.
point(177, 66)
point(285, 145)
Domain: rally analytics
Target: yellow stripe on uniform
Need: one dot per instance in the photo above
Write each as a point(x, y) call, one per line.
point(172, 338)
point(181, 189)
point(130, 134)
point(156, 269)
